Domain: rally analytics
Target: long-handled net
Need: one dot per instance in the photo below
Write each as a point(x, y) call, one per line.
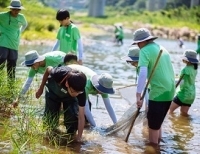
point(131, 115)
point(125, 121)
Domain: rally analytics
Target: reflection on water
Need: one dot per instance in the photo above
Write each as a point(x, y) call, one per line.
point(180, 134)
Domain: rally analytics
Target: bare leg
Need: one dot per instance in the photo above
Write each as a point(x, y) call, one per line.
point(173, 107)
point(184, 110)
point(160, 135)
point(154, 136)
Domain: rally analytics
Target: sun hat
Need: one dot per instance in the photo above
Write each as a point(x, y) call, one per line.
point(133, 54)
point(141, 35)
point(190, 56)
point(16, 4)
point(32, 57)
point(103, 83)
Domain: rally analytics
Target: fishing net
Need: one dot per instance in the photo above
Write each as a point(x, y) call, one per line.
point(124, 123)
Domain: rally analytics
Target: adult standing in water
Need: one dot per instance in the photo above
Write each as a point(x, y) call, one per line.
point(68, 37)
point(12, 24)
point(162, 83)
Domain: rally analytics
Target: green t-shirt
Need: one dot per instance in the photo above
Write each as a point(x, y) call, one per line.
point(198, 47)
point(162, 83)
point(68, 37)
point(10, 29)
point(51, 59)
point(119, 32)
point(187, 87)
point(89, 89)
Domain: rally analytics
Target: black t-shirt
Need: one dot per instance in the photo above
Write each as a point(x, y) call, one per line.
point(58, 74)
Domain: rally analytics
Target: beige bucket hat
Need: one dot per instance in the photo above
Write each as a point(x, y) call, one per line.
point(16, 4)
point(133, 54)
point(190, 56)
point(32, 57)
point(141, 35)
point(103, 83)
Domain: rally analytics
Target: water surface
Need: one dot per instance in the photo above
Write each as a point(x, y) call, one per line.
point(180, 134)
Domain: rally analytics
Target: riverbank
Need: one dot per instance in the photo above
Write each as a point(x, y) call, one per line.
point(94, 30)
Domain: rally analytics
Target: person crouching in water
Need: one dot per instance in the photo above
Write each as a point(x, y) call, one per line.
point(96, 85)
point(64, 85)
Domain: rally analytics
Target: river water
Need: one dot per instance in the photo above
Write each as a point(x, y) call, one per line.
point(180, 134)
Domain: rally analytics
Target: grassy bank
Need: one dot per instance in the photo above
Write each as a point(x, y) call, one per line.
point(43, 25)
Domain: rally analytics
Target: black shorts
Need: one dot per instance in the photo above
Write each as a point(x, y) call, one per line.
point(157, 111)
point(178, 102)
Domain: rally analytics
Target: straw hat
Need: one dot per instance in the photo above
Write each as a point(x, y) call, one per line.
point(103, 83)
point(190, 56)
point(133, 54)
point(16, 4)
point(32, 57)
point(141, 35)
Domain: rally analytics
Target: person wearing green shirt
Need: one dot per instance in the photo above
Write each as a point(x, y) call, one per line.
point(132, 58)
point(96, 84)
point(68, 37)
point(12, 24)
point(38, 64)
point(161, 84)
point(186, 95)
point(119, 34)
point(65, 86)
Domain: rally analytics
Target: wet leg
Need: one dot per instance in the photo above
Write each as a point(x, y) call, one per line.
point(184, 110)
point(173, 107)
point(154, 136)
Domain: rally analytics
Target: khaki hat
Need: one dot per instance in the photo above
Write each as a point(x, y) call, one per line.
point(133, 54)
point(141, 35)
point(103, 83)
point(32, 57)
point(16, 4)
point(190, 56)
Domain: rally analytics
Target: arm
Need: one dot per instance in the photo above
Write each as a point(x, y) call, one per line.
point(44, 80)
point(26, 85)
point(25, 88)
point(110, 109)
point(56, 45)
point(80, 51)
point(179, 81)
point(141, 84)
point(81, 117)
point(81, 123)
point(23, 28)
point(25, 24)
point(88, 114)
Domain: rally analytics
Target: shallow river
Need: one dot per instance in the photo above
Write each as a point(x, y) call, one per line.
point(180, 134)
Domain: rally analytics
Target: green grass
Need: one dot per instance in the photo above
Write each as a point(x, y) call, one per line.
point(24, 132)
